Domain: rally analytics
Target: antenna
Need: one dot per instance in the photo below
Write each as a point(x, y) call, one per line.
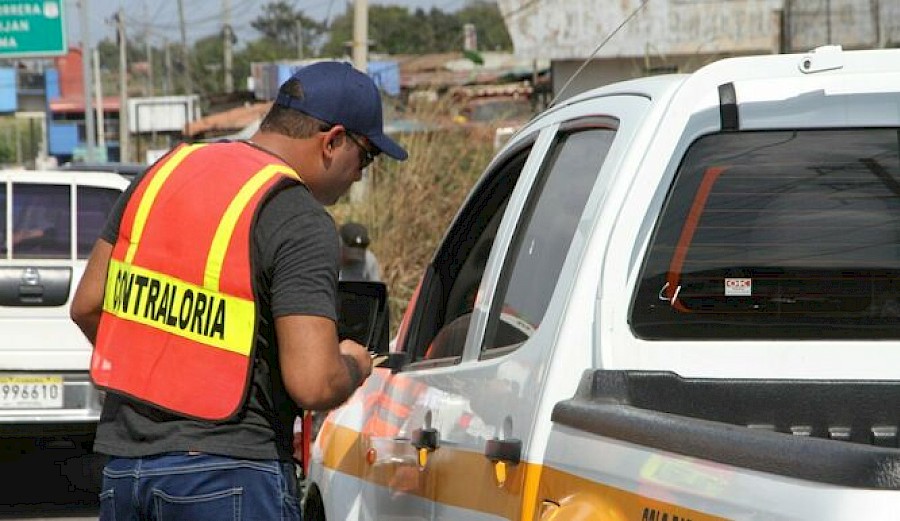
point(594, 53)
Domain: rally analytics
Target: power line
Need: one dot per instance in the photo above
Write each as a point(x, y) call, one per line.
point(175, 25)
point(156, 13)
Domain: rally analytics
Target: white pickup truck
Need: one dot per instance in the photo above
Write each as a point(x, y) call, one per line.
point(673, 298)
point(49, 221)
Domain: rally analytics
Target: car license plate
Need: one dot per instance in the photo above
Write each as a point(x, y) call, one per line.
point(31, 392)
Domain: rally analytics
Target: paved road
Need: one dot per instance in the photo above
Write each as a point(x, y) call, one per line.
point(39, 487)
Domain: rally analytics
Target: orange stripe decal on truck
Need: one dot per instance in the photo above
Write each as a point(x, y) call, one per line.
point(571, 497)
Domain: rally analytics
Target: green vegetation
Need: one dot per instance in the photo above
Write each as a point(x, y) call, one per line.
point(18, 140)
point(396, 30)
point(285, 33)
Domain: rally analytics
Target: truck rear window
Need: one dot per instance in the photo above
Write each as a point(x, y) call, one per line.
point(778, 235)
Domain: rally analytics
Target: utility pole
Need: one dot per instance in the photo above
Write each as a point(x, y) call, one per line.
point(167, 59)
point(299, 28)
point(361, 34)
point(124, 141)
point(875, 6)
point(89, 131)
point(98, 89)
point(785, 42)
point(226, 45)
point(359, 191)
point(149, 52)
point(360, 49)
point(189, 81)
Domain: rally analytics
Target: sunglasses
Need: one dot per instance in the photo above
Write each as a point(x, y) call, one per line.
point(366, 156)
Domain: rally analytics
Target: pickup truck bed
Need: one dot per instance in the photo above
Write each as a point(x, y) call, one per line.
point(837, 432)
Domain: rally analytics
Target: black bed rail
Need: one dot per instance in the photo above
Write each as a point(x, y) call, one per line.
point(830, 431)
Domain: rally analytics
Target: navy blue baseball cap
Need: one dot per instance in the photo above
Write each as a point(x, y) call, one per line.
point(338, 94)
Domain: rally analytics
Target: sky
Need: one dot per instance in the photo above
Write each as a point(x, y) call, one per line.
point(159, 18)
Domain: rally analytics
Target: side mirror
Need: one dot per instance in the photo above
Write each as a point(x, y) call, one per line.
point(363, 314)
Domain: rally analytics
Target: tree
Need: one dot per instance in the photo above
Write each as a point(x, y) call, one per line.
point(489, 25)
point(434, 30)
point(389, 28)
point(279, 24)
point(206, 65)
point(340, 33)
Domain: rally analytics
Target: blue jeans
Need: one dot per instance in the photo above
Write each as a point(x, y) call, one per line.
point(198, 487)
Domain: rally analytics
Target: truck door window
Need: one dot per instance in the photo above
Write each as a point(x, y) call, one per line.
point(41, 220)
point(447, 301)
point(778, 235)
point(94, 204)
point(546, 230)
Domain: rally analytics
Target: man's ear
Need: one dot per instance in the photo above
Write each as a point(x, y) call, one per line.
point(332, 139)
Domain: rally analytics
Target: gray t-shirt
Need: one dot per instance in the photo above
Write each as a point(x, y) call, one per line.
point(365, 269)
point(296, 250)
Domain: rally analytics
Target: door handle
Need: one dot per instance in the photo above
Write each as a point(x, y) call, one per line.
point(507, 451)
point(425, 442)
point(503, 453)
point(426, 438)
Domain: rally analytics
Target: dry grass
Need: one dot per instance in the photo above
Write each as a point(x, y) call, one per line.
point(410, 204)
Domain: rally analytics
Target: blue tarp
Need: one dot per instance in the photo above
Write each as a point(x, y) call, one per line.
point(385, 74)
point(62, 138)
point(51, 84)
point(8, 99)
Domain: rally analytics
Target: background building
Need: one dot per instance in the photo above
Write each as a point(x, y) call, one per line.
point(682, 35)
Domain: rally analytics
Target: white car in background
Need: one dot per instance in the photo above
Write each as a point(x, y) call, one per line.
point(49, 220)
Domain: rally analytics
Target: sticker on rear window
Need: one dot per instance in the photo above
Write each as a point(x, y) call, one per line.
point(738, 287)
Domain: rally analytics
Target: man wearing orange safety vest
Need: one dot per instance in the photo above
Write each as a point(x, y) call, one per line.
point(210, 300)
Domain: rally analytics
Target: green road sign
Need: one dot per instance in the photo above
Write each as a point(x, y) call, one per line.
point(32, 28)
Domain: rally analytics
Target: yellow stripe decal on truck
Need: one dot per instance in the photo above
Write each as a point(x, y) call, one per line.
point(178, 307)
point(572, 497)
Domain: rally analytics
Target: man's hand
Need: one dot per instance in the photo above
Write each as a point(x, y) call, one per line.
point(360, 355)
point(319, 372)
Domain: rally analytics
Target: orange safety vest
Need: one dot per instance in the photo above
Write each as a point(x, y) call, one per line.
point(179, 311)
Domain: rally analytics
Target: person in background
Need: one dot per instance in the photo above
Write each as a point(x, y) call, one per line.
point(211, 298)
point(357, 261)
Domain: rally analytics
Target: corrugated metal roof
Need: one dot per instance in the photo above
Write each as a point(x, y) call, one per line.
point(229, 120)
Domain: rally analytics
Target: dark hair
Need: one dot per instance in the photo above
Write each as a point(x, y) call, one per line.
point(290, 122)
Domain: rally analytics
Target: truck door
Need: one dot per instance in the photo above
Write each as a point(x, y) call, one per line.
point(406, 423)
point(480, 331)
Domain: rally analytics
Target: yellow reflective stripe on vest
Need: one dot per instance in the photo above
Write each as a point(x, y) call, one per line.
point(224, 231)
point(140, 219)
point(180, 308)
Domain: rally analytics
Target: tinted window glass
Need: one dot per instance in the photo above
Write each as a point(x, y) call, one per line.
point(94, 205)
point(3, 246)
point(41, 221)
point(541, 244)
point(778, 235)
point(447, 301)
